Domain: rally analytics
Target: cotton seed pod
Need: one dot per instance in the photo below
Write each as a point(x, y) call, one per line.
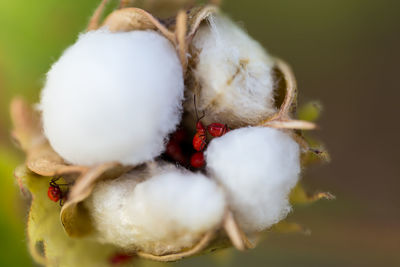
point(152, 210)
point(113, 97)
point(233, 75)
point(172, 209)
point(257, 168)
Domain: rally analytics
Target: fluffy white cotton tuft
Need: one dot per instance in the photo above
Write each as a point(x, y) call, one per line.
point(113, 97)
point(166, 213)
point(257, 167)
point(234, 73)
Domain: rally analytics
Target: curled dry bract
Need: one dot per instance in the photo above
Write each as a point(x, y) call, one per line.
point(74, 217)
point(41, 158)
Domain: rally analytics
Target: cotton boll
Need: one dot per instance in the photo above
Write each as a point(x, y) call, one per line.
point(168, 212)
point(257, 167)
point(113, 97)
point(233, 73)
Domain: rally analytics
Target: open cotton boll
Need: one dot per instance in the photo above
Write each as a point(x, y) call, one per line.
point(168, 212)
point(113, 97)
point(233, 73)
point(257, 167)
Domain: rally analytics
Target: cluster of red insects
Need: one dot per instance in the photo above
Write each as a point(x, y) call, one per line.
point(199, 142)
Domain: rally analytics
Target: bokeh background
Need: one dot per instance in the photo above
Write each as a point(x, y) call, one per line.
point(345, 54)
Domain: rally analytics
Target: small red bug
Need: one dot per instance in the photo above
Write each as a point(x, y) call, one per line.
point(178, 136)
point(217, 129)
point(197, 160)
point(199, 141)
point(55, 193)
point(174, 150)
point(200, 127)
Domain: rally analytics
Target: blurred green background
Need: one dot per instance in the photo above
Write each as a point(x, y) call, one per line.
point(345, 53)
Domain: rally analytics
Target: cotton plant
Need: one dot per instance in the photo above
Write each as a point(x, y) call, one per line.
point(162, 139)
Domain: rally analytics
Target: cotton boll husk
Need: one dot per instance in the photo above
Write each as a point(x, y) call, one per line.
point(234, 75)
point(257, 167)
point(169, 211)
point(113, 97)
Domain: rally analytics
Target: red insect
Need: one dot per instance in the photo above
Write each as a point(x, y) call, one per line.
point(197, 160)
point(199, 141)
point(174, 150)
point(178, 136)
point(55, 193)
point(200, 127)
point(217, 129)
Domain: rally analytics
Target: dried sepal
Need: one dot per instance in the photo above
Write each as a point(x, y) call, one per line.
point(129, 19)
point(41, 158)
point(282, 119)
point(237, 237)
point(185, 27)
point(74, 217)
point(196, 16)
point(197, 249)
point(179, 30)
point(44, 161)
point(19, 172)
point(213, 240)
point(180, 33)
point(27, 130)
point(300, 196)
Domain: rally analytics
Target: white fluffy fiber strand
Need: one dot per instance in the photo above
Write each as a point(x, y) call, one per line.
point(113, 97)
point(258, 167)
point(234, 72)
point(166, 213)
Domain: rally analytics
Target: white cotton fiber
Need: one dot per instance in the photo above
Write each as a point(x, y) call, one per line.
point(234, 75)
point(257, 167)
point(168, 212)
point(113, 97)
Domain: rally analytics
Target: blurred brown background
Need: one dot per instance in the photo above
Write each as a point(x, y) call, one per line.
point(345, 53)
